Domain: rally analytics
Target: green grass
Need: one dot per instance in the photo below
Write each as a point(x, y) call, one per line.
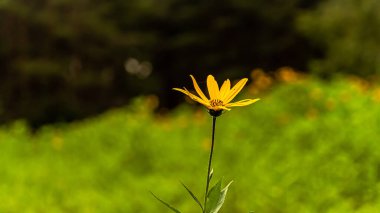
point(305, 147)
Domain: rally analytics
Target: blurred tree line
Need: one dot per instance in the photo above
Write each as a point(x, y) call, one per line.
point(62, 60)
point(347, 33)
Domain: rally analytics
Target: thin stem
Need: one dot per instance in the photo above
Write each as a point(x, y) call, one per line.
point(209, 161)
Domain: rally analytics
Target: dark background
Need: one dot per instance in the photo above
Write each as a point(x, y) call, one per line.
point(62, 60)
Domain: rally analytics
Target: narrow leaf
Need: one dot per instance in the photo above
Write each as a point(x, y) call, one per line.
point(166, 204)
point(216, 198)
point(222, 197)
point(210, 175)
point(213, 197)
point(192, 195)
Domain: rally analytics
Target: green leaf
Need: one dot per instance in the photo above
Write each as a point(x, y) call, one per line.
point(210, 175)
point(166, 204)
point(192, 195)
point(216, 198)
point(222, 197)
point(213, 197)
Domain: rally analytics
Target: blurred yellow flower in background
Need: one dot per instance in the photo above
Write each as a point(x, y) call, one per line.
point(220, 98)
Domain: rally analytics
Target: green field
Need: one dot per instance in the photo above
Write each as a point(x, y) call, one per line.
point(307, 146)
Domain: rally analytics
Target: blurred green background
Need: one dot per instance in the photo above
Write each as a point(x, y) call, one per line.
point(89, 122)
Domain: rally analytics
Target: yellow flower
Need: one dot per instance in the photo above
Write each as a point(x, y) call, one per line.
point(220, 99)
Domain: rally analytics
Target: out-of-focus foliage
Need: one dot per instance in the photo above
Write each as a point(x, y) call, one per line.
point(66, 58)
point(307, 146)
point(69, 59)
point(348, 35)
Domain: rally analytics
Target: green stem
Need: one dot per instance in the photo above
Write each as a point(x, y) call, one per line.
point(209, 161)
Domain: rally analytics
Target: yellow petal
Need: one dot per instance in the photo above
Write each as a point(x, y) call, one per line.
point(235, 90)
point(186, 92)
point(225, 89)
point(192, 96)
point(199, 91)
point(213, 88)
point(225, 108)
point(244, 102)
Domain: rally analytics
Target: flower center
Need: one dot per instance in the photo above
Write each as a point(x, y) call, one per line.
point(216, 102)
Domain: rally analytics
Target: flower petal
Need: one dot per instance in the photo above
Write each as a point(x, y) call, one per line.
point(225, 108)
point(199, 91)
point(225, 89)
point(244, 102)
point(235, 90)
point(213, 88)
point(192, 96)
